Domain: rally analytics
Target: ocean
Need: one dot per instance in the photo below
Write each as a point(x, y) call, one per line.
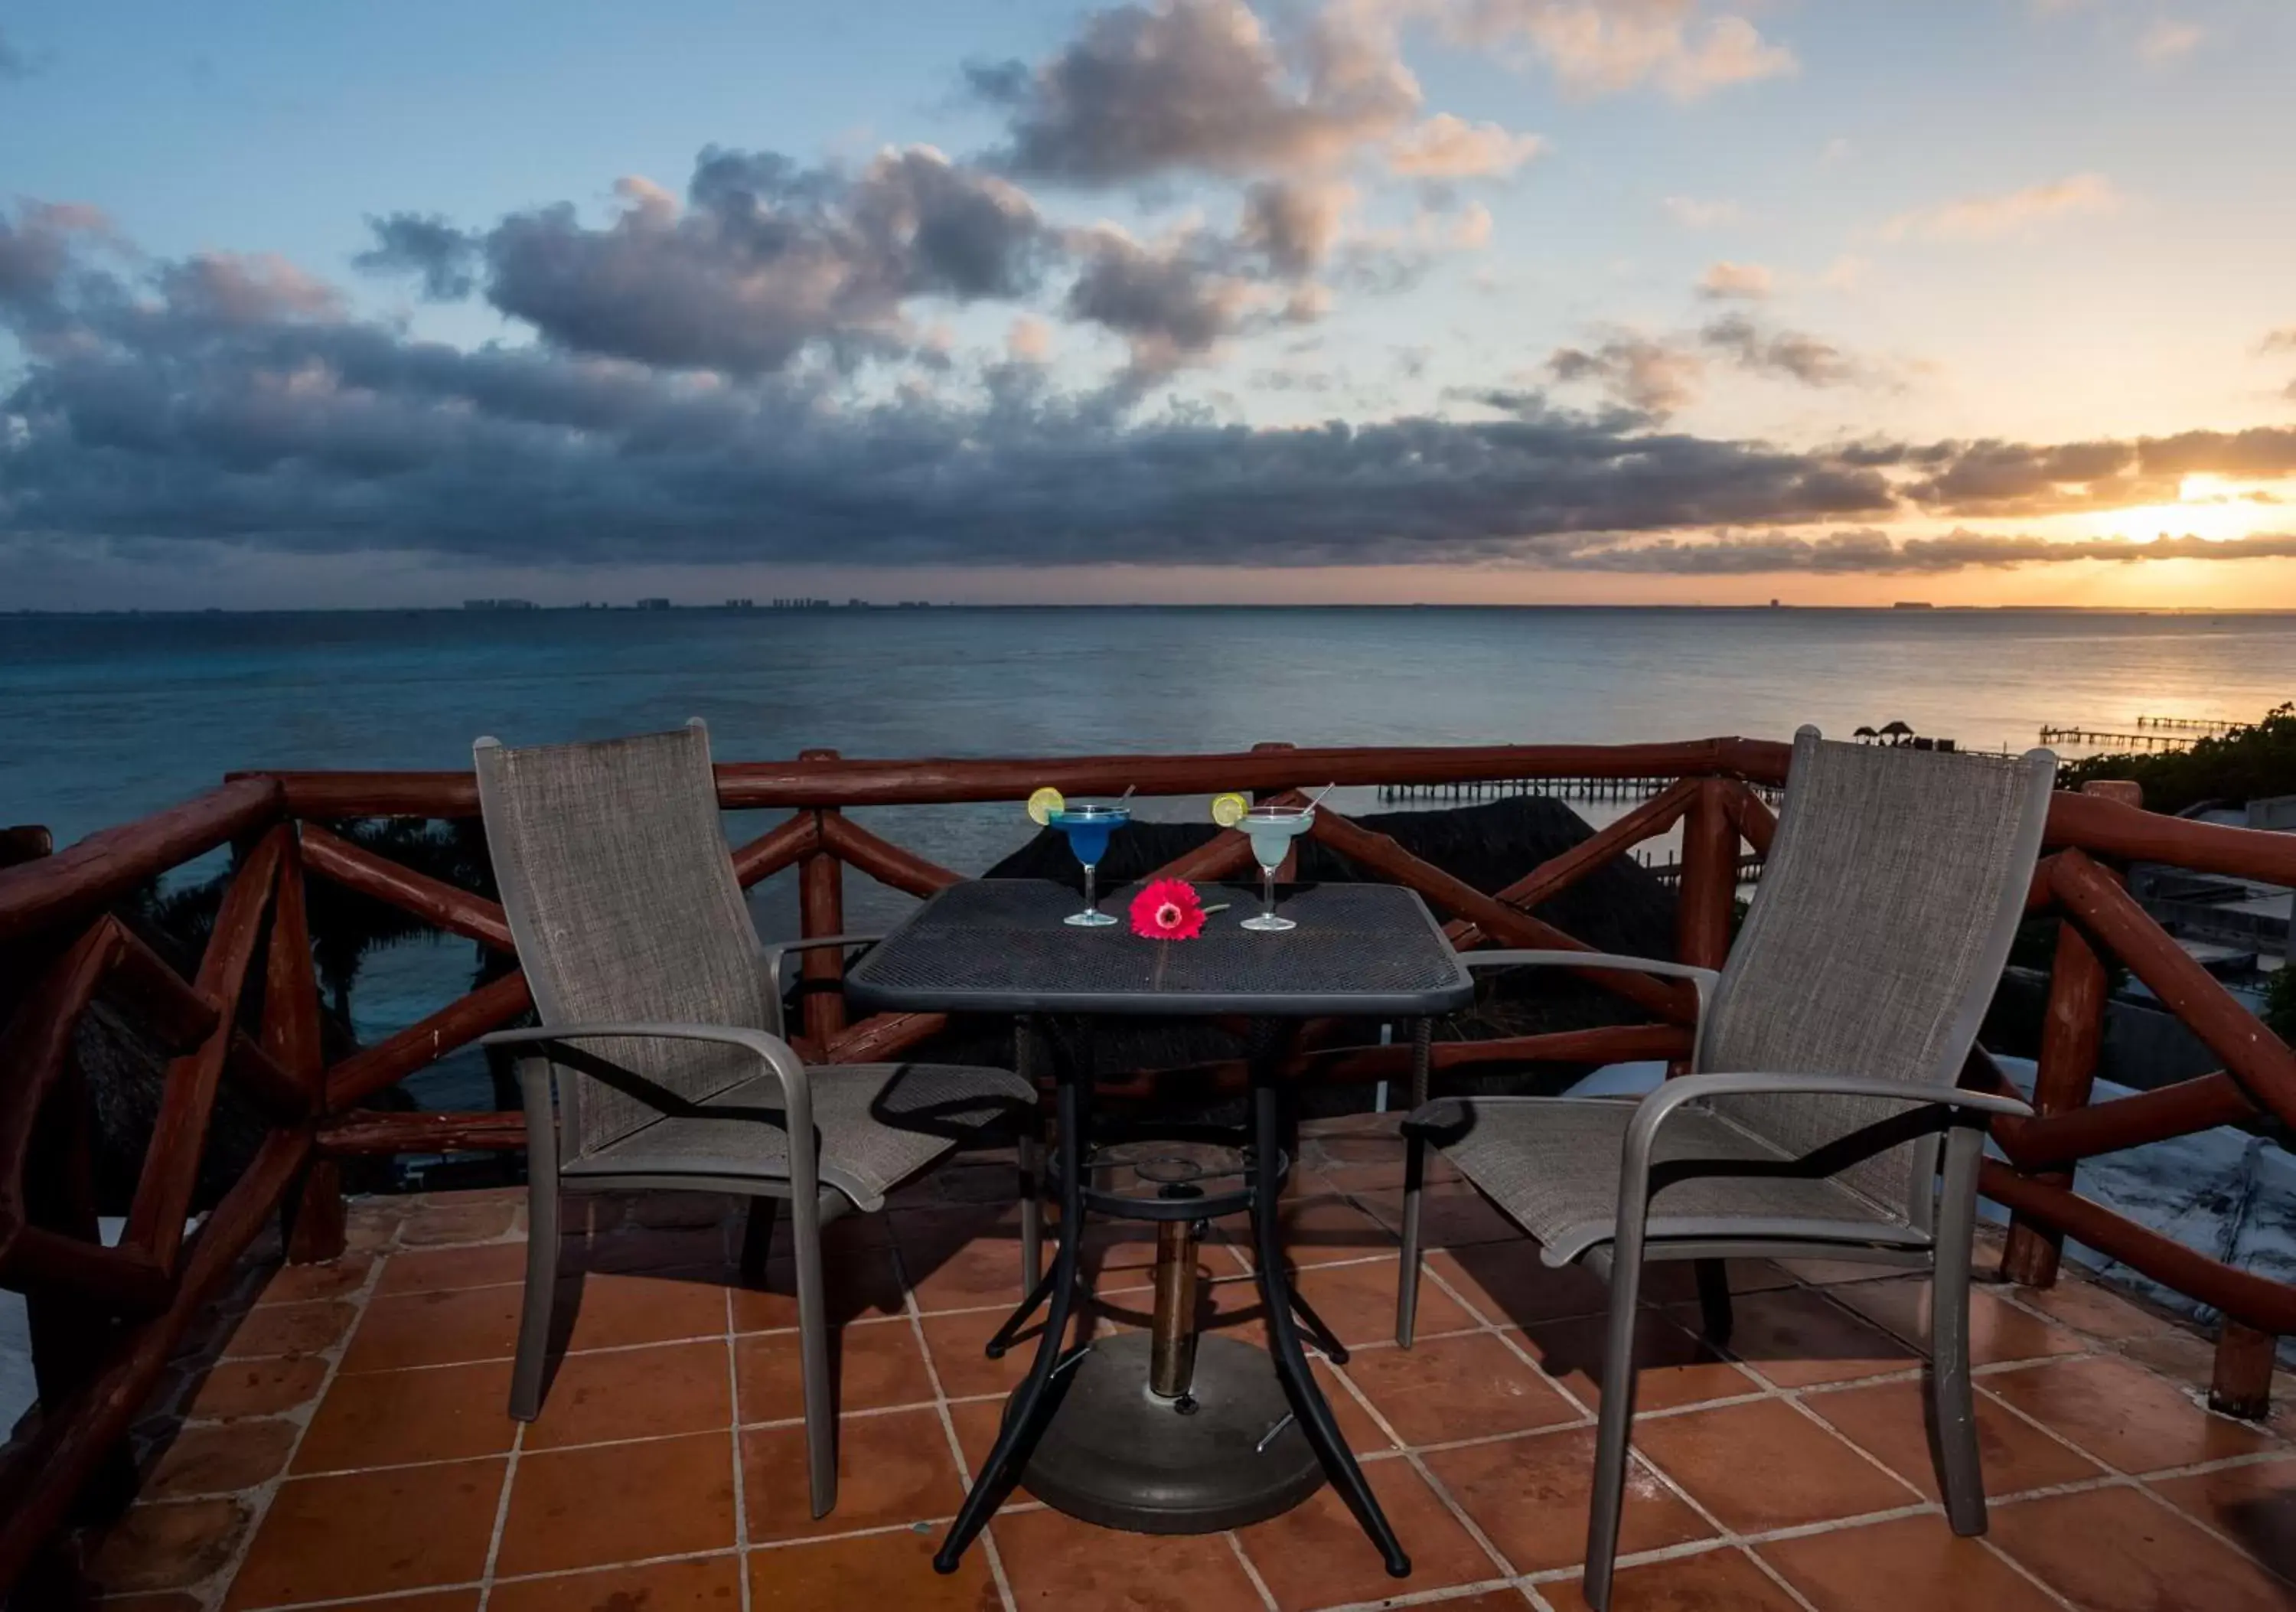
point(105, 718)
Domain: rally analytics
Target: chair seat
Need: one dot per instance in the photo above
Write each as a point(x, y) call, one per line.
point(878, 1124)
point(1552, 1165)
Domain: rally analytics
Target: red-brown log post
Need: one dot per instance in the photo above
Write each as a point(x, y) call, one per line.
point(72, 1334)
point(1709, 887)
point(313, 1212)
point(2072, 1033)
point(821, 910)
point(1710, 877)
point(2242, 1384)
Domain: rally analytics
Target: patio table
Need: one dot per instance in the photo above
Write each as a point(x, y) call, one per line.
point(1169, 1432)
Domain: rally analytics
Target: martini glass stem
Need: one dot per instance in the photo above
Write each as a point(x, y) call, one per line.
point(1267, 889)
point(1092, 886)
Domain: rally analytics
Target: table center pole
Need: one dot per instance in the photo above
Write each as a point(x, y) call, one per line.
point(1172, 1328)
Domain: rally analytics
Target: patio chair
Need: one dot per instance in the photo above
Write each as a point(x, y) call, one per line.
point(662, 1025)
point(1823, 1086)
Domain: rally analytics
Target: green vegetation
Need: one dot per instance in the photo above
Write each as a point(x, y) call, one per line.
point(2246, 763)
point(2280, 1004)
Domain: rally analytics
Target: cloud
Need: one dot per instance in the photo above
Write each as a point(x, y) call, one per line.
point(1873, 553)
point(760, 259)
point(1786, 354)
point(445, 259)
point(1201, 86)
point(1658, 376)
point(40, 251)
point(1989, 217)
point(2168, 40)
point(1029, 340)
point(14, 64)
point(1445, 147)
point(235, 406)
point(2278, 340)
point(1691, 213)
point(1653, 377)
point(1743, 281)
point(1169, 299)
point(246, 291)
point(1599, 48)
point(1294, 224)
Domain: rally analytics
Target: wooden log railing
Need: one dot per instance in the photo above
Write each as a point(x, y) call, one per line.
point(107, 1318)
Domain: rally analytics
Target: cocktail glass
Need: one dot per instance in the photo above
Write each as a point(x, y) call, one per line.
point(1272, 830)
point(1088, 826)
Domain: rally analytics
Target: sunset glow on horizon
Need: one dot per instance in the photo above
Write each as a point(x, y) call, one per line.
point(1984, 302)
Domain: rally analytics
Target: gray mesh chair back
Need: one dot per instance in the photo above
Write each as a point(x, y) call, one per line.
point(622, 900)
point(1880, 928)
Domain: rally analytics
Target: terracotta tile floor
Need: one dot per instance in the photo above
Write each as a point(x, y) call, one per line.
point(338, 1437)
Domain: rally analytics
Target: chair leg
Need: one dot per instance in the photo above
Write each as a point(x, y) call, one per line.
point(1961, 1473)
point(541, 1292)
point(757, 1241)
point(813, 1353)
point(1714, 1299)
point(541, 1242)
point(1612, 1431)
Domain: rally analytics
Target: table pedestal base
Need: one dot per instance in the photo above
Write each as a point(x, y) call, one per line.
point(1119, 1456)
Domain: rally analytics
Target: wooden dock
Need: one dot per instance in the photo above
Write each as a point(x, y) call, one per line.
point(1568, 789)
point(2106, 739)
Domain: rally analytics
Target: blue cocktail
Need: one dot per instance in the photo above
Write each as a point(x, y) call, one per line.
point(1272, 829)
point(1088, 827)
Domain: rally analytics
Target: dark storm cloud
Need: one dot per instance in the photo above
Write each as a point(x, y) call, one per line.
point(1199, 84)
point(236, 401)
point(445, 259)
point(240, 405)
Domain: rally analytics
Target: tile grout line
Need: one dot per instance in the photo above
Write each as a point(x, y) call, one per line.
point(1806, 1400)
point(734, 1403)
point(1250, 1570)
point(218, 1585)
point(1441, 1492)
point(2209, 1528)
point(941, 1403)
point(502, 1517)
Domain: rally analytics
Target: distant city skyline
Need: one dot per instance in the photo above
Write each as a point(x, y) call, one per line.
point(1507, 302)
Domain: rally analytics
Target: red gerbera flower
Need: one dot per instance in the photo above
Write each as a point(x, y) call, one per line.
point(1167, 909)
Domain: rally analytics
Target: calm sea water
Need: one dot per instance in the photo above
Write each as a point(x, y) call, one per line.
point(102, 719)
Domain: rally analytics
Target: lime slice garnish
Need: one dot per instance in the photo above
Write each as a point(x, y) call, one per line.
point(1228, 810)
point(1044, 803)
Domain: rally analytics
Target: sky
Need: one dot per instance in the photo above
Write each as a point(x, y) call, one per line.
point(1718, 301)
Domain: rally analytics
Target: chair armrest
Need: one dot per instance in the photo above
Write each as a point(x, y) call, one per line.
point(1654, 1110)
point(777, 1054)
point(1701, 980)
point(777, 949)
point(1587, 960)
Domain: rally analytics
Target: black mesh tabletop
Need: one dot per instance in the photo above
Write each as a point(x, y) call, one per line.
point(998, 946)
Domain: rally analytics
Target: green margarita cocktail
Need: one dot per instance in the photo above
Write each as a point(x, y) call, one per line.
point(1272, 829)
